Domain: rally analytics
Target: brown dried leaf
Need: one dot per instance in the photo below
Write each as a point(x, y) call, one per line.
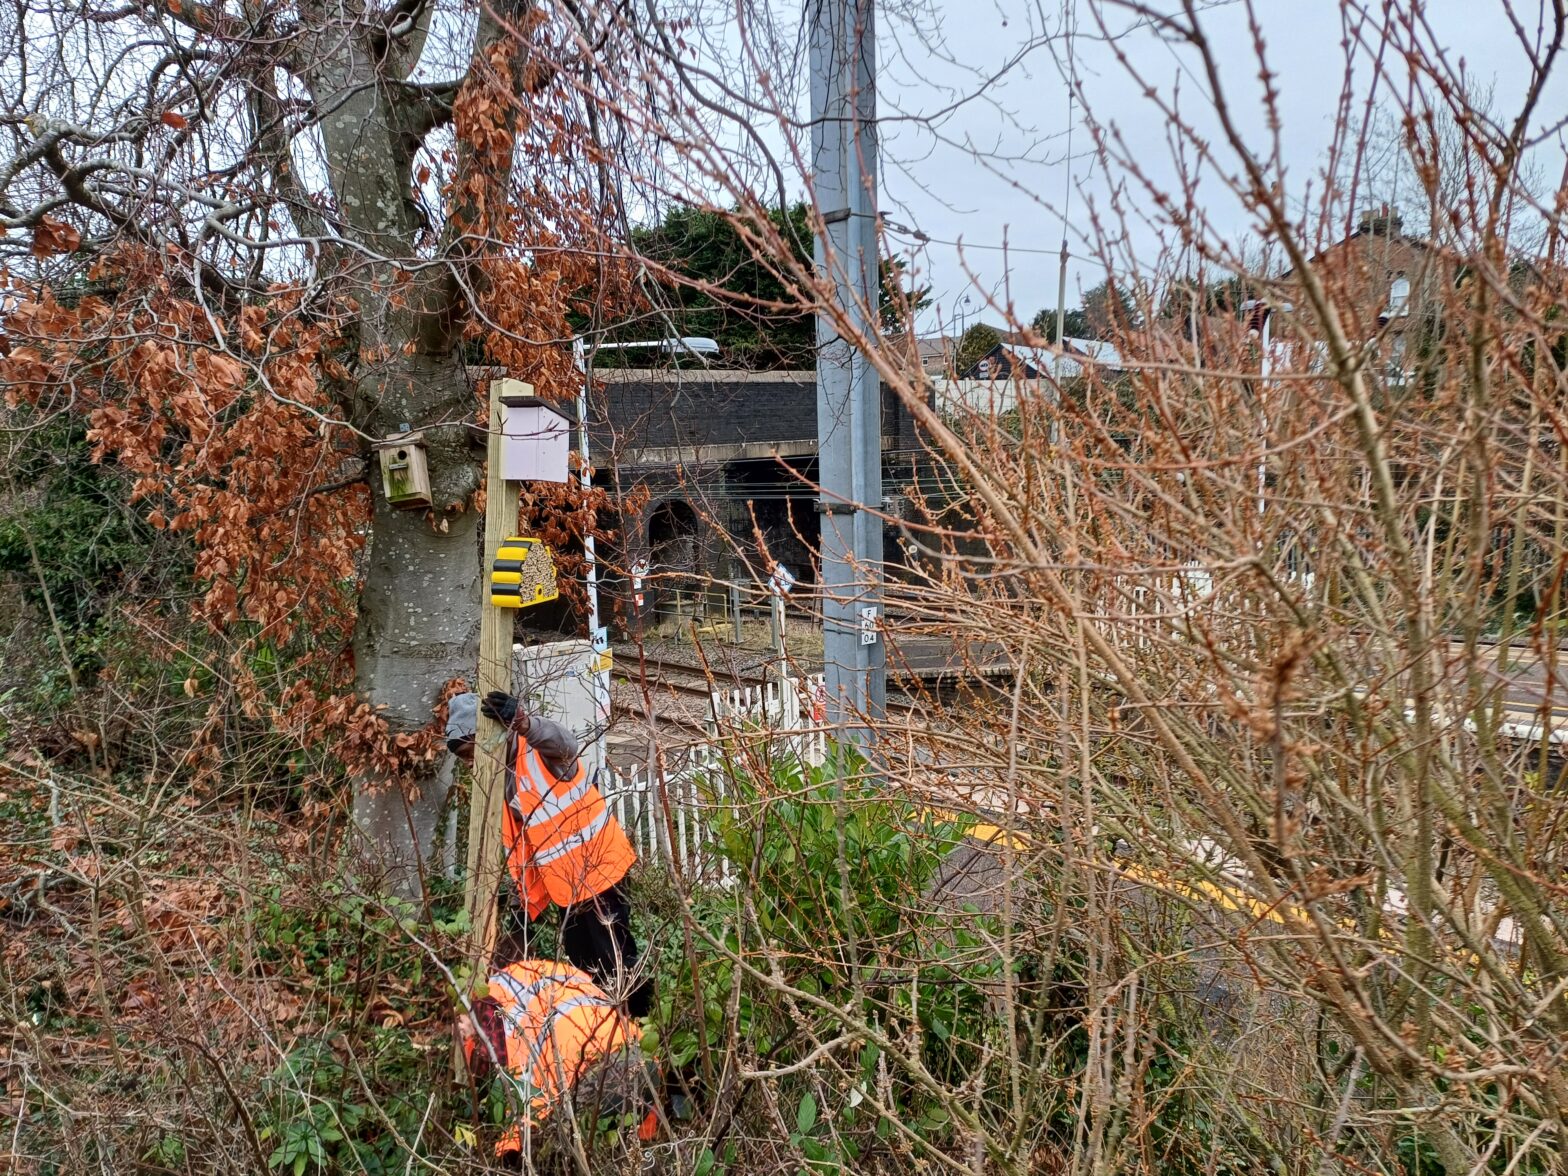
point(141, 997)
point(51, 236)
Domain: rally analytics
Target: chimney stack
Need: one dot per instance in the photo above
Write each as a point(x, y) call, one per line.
point(1382, 221)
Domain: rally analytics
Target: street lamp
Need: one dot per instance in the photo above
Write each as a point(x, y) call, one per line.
point(964, 304)
point(581, 355)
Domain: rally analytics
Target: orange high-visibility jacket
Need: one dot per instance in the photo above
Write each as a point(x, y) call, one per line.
point(562, 843)
point(558, 1023)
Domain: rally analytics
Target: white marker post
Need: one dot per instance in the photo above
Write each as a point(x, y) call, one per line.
point(780, 585)
point(639, 574)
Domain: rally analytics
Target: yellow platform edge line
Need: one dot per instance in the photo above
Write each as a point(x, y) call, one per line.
point(1225, 898)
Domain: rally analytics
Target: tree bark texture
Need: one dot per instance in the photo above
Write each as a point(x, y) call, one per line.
point(418, 622)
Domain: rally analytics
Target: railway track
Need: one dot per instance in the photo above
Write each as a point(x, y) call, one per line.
point(1525, 715)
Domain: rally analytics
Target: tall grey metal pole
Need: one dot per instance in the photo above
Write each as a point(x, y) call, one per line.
point(849, 392)
point(1061, 308)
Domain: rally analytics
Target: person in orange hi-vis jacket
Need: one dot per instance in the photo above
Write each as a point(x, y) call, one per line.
point(562, 843)
point(565, 1045)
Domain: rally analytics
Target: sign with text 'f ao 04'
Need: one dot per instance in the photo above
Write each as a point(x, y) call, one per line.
point(522, 574)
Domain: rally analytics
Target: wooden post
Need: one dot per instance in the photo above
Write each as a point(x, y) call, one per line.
point(486, 860)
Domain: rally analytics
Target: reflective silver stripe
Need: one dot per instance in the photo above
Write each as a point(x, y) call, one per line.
point(542, 781)
point(533, 766)
point(543, 778)
point(536, 1044)
point(523, 994)
point(513, 1015)
point(577, 840)
point(553, 807)
point(563, 1081)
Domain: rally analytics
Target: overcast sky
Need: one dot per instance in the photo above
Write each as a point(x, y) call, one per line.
point(952, 193)
point(975, 120)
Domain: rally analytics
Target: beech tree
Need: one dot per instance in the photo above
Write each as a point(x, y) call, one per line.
point(249, 238)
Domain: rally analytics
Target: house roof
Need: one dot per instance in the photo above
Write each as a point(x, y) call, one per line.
point(935, 350)
point(1098, 351)
point(1363, 232)
point(1033, 362)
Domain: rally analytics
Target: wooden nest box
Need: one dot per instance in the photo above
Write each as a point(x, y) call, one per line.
point(405, 472)
point(536, 439)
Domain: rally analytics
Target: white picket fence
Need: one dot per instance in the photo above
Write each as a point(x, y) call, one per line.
point(668, 809)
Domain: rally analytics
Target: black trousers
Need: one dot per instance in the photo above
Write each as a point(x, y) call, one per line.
point(596, 936)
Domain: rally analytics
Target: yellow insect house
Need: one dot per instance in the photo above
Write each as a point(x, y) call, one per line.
point(522, 574)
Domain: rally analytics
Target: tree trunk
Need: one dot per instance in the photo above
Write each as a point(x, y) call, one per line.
point(418, 620)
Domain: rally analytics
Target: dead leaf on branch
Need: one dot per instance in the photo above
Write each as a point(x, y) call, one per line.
point(51, 236)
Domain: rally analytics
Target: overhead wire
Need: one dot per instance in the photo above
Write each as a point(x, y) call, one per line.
point(924, 239)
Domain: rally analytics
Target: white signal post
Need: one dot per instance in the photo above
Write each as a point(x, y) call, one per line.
point(582, 355)
point(1260, 311)
point(639, 574)
point(780, 584)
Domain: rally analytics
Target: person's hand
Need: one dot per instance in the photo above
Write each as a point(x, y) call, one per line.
point(500, 706)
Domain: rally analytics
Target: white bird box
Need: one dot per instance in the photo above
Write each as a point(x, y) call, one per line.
point(536, 439)
point(405, 473)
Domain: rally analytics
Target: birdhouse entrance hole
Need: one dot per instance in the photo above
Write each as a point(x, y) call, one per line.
point(405, 473)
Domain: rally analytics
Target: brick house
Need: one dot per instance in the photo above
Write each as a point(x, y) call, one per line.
point(1390, 288)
